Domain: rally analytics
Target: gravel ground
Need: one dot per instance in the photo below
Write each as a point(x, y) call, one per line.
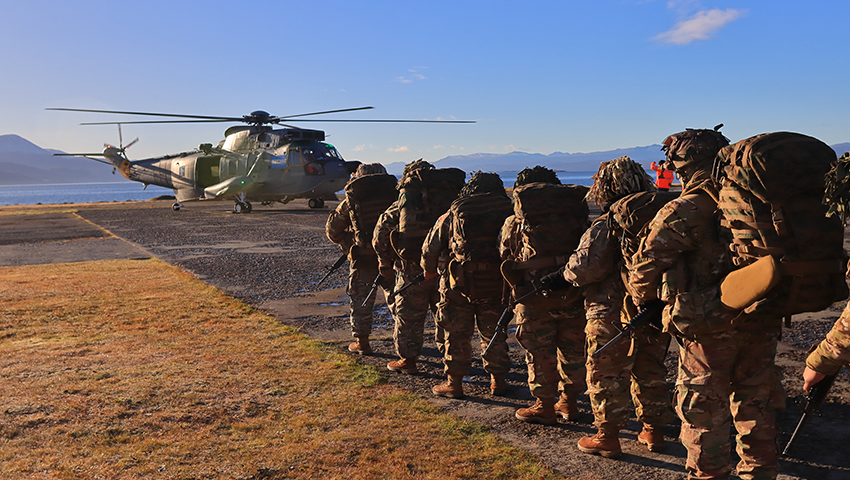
point(273, 257)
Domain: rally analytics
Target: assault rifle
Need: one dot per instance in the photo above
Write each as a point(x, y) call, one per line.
point(505, 319)
point(375, 286)
point(810, 404)
point(651, 313)
point(332, 269)
point(413, 281)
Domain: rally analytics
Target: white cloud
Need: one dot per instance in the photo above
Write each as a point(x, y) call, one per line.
point(412, 74)
point(700, 26)
point(438, 147)
point(509, 148)
point(398, 149)
point(359, 148)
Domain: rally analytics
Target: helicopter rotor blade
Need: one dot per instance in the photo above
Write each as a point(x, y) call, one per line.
point(383, 121)
point(131, 143)
point(327, 111)
point(175, 115)
point(120, 138)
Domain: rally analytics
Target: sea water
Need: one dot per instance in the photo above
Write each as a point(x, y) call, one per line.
point(79, 193)
point(134, 191)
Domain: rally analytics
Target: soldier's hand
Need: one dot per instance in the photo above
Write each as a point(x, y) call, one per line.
point(554, 281)
point(810, 378)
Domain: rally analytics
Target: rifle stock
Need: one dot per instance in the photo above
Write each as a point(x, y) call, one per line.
point(332, 269)
point(651, 310)
point(810, 404)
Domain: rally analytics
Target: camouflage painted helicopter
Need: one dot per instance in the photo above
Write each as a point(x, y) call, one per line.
point(254, 161)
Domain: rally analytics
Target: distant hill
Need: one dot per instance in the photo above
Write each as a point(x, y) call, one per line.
point(567, 162)
point(25, 163)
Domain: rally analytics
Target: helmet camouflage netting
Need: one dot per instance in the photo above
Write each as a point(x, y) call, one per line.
point(369, 169)
point(535, 175)
point(483, 182)
point(618, 178)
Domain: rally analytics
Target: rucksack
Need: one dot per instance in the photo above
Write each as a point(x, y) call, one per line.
point(476, 223)
point(368, 197)
point(554, 217)
point(423, 196)
point(630, 214)
point(770, 202)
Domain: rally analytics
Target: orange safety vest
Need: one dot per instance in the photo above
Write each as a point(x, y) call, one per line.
point(663, 177)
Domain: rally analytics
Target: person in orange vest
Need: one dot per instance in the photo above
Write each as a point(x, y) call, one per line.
point(663, 177)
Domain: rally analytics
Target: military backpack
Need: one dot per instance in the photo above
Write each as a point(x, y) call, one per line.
point(770, 202)
point(476, 223)
point(423, 196)
point(368, 196)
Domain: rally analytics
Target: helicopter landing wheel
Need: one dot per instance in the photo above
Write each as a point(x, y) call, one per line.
point(242, 207)
point(176, 206)
point(315, 203)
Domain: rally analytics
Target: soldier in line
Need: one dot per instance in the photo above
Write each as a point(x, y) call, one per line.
point(597, 266)
point(397, 240)
point(726, 371)
point(471, 288)
point(369, 192)
point(545, 229)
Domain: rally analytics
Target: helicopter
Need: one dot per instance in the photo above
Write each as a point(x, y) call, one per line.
point(255, 161)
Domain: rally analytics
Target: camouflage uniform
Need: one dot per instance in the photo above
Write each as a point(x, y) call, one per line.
point(550, 329)
point(834, 351)
point(596, 266)
point(459, 315)
point(409, 308)
point(362, 271)
point(726, 372)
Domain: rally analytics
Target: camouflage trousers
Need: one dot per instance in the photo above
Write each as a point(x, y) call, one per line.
point(410, 310)
point(728, 378)
point(633, 366)
point(552, 335)
point(363, 271)
point(458, 318)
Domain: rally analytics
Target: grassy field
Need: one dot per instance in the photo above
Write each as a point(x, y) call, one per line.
point(134, 369)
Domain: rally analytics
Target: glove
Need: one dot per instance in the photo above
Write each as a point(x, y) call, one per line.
point(554, 281)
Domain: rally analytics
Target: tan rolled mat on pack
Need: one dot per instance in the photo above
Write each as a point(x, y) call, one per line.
point(747, 285)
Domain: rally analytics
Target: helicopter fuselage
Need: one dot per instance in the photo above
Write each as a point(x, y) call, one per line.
point(252, 163)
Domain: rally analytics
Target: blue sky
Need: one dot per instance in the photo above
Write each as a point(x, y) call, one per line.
point(537, 76)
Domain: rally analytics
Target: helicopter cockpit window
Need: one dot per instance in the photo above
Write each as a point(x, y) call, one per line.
point(293, 158)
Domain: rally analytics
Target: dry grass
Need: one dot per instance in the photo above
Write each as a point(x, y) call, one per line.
point(134, 369)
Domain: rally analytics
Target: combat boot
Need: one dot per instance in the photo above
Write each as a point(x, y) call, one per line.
point(404, 365)
point(361, 346)
point(567, 407)
point(652, 437)
point(451, 388)
point(498, 385)
point(606, 443)
point(542, 412)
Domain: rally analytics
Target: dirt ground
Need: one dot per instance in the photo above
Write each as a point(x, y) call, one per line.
point(273, 258)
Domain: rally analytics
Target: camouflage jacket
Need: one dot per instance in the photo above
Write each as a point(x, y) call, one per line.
point(681, 261)
point(596, 267)
point(834, 351)
point(338, 227)
point(386, 230)
point(436, 243)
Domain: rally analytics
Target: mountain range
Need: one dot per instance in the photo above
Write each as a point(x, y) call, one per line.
point(24, 163)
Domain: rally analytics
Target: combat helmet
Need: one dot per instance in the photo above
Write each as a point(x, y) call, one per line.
point(483, 182)
point(537, 174)
point(369, 169)
point(616, 179)
point(693, 149)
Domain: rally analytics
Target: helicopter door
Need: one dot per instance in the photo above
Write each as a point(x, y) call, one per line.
point(230, 167)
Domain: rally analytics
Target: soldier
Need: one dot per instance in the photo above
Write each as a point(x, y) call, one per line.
point(369, 192)
point(597, 266)
point(424, 195)
point(471, 289)
point(831, 354)
point(548, 222)
point(726, 371)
